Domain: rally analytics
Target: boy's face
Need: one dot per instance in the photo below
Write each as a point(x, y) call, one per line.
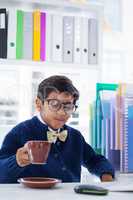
point(53, 112)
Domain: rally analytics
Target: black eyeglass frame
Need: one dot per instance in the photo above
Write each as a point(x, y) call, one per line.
point(62, 105)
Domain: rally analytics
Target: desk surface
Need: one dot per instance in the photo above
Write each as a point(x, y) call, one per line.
point(63, 191)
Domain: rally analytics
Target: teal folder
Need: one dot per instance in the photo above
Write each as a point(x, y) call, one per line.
point(99, 113)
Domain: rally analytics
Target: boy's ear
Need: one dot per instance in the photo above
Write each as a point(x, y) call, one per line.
point(38, 104)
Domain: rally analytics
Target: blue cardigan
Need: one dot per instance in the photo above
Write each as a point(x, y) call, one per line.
point(64, 161)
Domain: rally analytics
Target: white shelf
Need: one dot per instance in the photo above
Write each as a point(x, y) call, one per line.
point(8, 107)
point(36, 64)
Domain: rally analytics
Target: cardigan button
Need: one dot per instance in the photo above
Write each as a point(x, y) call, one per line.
point(64, 168)
point(56, 155)
point(58, 143)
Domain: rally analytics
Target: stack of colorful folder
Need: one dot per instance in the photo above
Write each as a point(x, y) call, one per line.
point(111, 124)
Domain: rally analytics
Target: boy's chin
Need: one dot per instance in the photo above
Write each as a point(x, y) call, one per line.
point(55, 127)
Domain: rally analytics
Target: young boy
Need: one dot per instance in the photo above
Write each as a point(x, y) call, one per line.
point(55, 102)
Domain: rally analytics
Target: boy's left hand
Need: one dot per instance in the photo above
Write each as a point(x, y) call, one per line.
point(106, 177)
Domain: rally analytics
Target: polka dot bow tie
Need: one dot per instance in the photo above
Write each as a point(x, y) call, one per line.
point(52, 136)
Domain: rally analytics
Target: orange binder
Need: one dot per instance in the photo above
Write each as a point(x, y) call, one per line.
point(36, 35)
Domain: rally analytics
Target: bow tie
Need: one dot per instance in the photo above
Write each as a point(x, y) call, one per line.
point(52, 136)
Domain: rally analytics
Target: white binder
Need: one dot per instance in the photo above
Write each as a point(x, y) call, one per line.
point(84, 39)
point(68, 38)
point(93, 41)
point(77, 40)
point(48, 36)
point(57, 26)
point(28, 35)
point(12, 26)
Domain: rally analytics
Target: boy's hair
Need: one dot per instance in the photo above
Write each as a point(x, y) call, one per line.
point(57, 84)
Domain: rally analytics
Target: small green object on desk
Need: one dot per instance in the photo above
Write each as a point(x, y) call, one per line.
point(90, 189)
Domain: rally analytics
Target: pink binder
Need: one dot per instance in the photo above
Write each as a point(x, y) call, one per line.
point(43, 37)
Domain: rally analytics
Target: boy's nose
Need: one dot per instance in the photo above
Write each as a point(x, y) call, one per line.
point(61, 111)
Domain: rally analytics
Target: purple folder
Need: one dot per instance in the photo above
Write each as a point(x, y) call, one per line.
point(43, 37)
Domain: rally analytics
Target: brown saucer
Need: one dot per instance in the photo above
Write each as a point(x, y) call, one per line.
point(39, 182)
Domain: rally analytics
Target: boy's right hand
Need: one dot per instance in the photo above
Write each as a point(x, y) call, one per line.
point(22, 157)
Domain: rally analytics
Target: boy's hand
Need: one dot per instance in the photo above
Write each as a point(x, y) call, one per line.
point(22, 157)
point(106, 177)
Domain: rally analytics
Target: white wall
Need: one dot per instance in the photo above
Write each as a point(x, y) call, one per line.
point(128, 38)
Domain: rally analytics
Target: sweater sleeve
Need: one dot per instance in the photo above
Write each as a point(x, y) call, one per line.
point(10, 171)
point(96, 163)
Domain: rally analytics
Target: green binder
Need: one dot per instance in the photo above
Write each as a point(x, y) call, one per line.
point(19, 35)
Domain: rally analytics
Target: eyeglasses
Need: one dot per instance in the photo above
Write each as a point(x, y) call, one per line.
point(55, 105)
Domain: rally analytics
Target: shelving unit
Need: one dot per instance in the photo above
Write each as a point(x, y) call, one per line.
point(30, 73)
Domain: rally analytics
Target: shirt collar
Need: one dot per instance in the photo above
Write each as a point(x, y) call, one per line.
point(41, 120)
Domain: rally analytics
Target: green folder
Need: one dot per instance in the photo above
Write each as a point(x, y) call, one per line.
point(104, 86)
point(19, 35)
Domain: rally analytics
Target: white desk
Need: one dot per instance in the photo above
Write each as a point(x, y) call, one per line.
point(64, 191)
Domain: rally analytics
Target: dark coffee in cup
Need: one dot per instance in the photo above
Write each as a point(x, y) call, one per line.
point(38, 151)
